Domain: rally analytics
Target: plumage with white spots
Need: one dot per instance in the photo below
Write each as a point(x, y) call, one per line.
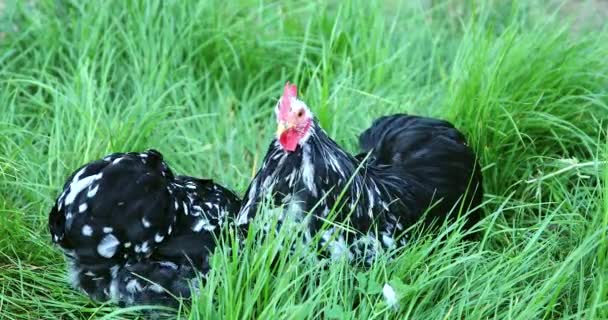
point(124, 226)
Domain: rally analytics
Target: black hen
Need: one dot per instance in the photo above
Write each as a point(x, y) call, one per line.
point(134, 233)
point(414, 165)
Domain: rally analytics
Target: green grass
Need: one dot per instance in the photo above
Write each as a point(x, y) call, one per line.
point(198, 81)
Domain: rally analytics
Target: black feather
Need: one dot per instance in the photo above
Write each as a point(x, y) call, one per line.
point(434, 153)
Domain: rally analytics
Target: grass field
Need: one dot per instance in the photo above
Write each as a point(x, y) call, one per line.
point(197, 80)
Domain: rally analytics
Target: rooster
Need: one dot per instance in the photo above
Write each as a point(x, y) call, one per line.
point(133, 232)
point(410, 168)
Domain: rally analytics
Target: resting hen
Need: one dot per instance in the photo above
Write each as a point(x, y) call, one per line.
point(409, 166)
point(135, 233)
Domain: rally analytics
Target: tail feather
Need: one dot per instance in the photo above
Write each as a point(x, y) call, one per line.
point(433, 152)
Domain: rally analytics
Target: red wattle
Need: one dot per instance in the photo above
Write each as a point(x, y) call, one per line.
point(289, 139)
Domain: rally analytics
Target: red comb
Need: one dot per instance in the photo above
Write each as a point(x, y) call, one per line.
point(290, 91)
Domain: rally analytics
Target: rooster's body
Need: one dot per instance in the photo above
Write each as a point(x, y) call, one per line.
point(134, 233)
point(408, 165)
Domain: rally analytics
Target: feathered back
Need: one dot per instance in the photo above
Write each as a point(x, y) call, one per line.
point(130, 228)
point(430, 150)
point(120, 198)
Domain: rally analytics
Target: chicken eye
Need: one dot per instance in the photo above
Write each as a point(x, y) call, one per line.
point(300, 113)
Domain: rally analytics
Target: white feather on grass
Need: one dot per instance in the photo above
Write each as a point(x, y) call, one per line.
point(390, 296)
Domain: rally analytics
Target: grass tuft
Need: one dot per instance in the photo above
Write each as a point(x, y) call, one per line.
point(197, 80)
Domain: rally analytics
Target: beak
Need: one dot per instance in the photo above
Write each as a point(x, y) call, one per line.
point(282, 127)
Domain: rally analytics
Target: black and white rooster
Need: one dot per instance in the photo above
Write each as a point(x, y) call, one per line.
point(133, 232)
point(408, 166)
